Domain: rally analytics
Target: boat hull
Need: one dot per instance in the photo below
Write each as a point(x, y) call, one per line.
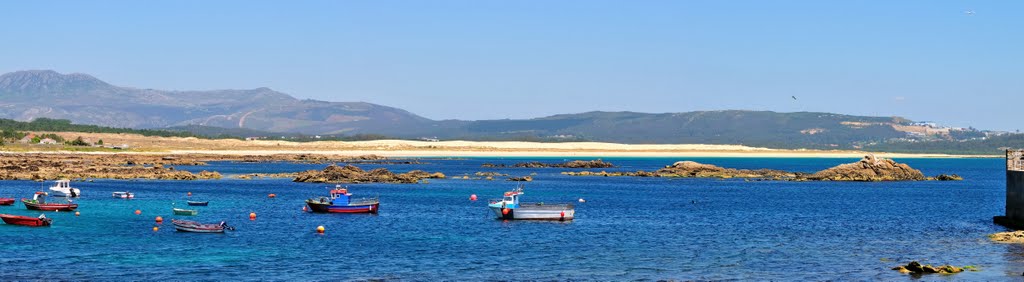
point(200, 204)
point(195, 227)
point(329, 208)
point(536, 212)
point(25, 220)
point(6, 201)
point(48, 206)
point(185, 212)
point(123, 195)
point(60, 192)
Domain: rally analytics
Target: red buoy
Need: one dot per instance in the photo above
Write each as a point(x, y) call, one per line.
point(472, 197)
point(190, 194)
point(504, 211)
point(159, 219)
point(272, 196)
point(252, 216)
point(137, 212)
point(303, 208)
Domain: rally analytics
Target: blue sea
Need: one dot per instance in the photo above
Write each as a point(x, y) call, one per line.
point(628, 229)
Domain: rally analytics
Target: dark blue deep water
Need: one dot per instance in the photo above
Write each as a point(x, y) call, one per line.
point(629, 228)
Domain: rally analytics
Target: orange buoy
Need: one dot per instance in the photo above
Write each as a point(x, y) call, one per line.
point(155, 229)
point(252, 216)
point(138, 212)
point(159, 219)
point(77, 214)
point(190, 194)
point(303, 208)
point(320, 229)
point(272, 196)
point(472, 197)
point(504, 211)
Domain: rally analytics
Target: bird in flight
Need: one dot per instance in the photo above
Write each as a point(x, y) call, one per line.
point(794, 97)
point(969, 12)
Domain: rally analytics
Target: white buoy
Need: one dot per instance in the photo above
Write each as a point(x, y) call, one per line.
point(582, 200)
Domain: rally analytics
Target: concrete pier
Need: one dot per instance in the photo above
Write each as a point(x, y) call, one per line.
point(1014, 217)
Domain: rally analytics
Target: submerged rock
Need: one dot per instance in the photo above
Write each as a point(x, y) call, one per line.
point(1016, 237)
point(947, 177)
point(571, 164)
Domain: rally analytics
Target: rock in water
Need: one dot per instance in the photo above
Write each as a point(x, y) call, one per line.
point(915, 267)
point(869, 168)
point(353, 174)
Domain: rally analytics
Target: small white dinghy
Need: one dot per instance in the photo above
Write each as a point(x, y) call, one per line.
point(124, 195)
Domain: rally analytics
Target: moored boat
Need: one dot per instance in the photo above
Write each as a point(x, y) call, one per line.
point(38, 202)
point(509, 207)
point(62, 188)
point(193, 226)
point(124, 195)
point(340, 201)
point(6, 201)
point(178, 211)
point(195, 203)
point(26, 220)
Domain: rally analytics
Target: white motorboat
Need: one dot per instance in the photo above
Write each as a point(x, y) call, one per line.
point(124, 195)
point(509, 207)
point(62, 188)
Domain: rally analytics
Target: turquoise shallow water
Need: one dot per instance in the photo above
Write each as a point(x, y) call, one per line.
point(630, 228)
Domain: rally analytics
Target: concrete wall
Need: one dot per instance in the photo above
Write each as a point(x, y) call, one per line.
point(1015, 195)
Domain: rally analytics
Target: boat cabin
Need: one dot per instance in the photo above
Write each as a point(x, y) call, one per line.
point(340, 195)
point(511, 199)
point(62, 184)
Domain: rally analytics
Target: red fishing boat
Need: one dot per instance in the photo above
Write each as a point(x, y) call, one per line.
point(6, 201)
point(38, 202)
point(26, 220)
point(341, 202)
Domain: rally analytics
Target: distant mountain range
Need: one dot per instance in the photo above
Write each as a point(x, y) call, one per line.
point(83, 99)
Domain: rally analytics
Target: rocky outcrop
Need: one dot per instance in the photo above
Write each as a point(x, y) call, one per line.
point(352, 174)
point(867, 169)
point(870, 168)
point(523, 178)
point(916, 268)
point(571, 164)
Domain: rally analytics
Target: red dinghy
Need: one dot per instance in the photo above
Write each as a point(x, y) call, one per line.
point(38, 202)
point(6, 201)
point(26, 220)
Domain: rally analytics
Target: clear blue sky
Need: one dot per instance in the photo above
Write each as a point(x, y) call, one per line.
point(925, 60)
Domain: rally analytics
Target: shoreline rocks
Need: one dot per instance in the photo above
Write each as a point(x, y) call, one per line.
point(523, 178)
point(353, 174)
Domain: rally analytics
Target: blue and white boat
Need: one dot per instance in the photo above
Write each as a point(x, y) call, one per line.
point(341, 201)
point(510, 207)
